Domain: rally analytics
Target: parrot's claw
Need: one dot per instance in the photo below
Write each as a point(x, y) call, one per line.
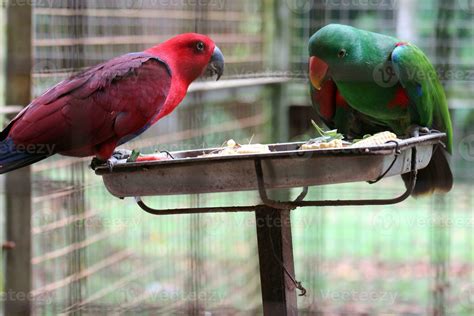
point(111, 163)
point(121, 154)
point(416, 131)
point(118, 156)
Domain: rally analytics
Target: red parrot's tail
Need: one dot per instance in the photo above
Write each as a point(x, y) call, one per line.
point(435, 178)
point(12, 157)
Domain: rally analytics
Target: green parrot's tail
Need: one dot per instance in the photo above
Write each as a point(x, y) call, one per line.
point(435, 178)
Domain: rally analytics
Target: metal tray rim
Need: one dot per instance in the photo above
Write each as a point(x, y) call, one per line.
point(386, 149)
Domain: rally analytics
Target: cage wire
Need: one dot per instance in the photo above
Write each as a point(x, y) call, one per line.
point(415, 258)
point(94, 254)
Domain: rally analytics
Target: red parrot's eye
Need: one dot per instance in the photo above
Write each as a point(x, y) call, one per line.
point(200, 46)
point(342, 53)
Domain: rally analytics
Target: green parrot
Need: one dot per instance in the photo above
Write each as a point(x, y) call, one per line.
point(364, 82)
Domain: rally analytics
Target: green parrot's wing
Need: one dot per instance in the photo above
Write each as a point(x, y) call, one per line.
point(420, 80)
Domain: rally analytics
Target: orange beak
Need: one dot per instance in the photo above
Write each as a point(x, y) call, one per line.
point(317, 71)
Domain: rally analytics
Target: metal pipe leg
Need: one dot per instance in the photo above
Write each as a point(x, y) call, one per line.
point(275, 251)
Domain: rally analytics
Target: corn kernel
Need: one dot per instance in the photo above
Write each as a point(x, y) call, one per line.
point(376, 140)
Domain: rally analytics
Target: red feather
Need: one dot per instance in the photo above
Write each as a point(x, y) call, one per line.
point(400, 99)
point(340, 101)
point(90, 113)
point(329, 98)
point(93, 112)
point(326, 99)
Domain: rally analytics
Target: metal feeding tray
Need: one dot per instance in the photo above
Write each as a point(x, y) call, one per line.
point(285, 167)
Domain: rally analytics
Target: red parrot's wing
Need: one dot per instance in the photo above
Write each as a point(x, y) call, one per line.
point(105, 103)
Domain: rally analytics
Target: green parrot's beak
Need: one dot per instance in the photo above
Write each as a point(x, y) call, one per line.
point(317, 71)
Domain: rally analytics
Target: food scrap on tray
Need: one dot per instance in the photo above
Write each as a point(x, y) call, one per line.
point(333, 139)
point(376, 140)
point(325, 140)
point(233, 148)
point(136, 156)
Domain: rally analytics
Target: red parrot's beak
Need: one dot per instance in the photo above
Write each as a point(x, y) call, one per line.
point(216, 65)
point(317, 71)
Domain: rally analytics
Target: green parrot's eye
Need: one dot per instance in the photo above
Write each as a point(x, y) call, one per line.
point(342, 53)
point(200, 46)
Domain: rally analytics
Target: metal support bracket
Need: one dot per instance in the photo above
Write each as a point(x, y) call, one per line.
point(195, 210)
point(277, 270)
point(298, 202)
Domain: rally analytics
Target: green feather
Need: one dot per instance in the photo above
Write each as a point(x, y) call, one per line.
point(419, 78)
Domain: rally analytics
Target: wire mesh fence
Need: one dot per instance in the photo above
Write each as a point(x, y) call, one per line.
point(94, 254)
point(415, 258)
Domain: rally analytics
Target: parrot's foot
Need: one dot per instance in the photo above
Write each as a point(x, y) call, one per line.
point(121, 154)
point(416, 131)
point(117, 156)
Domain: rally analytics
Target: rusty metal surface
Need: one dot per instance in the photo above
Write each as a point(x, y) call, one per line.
point(285, 167)
point(275, 253)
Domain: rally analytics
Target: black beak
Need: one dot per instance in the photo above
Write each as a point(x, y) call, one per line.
point(216, 65)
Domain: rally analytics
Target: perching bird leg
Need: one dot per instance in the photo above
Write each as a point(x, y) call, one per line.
point(416, 130)
point(117, 156)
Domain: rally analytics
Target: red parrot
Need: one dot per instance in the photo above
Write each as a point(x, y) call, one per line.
point(93, 112)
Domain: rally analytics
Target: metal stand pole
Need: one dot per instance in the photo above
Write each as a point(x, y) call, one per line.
point(275, 252)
